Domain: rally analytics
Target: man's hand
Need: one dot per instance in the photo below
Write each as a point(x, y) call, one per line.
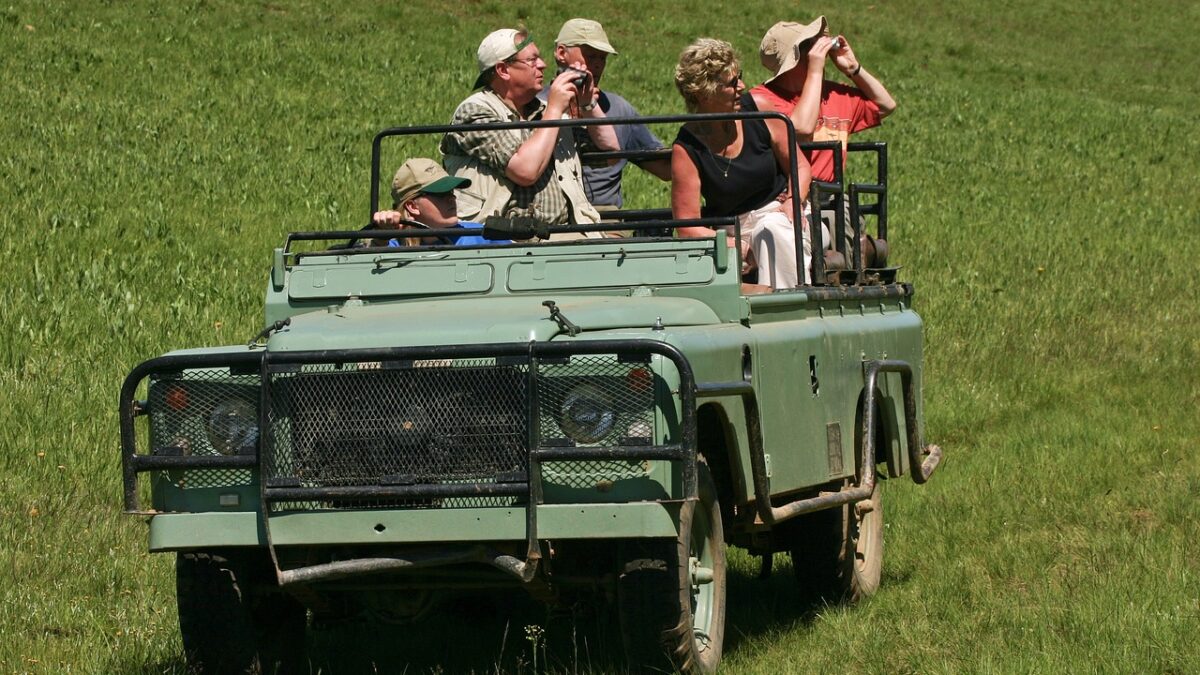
point(844, 58)
point(387, 218)
point(586, 105)
point(817, 53)
point(851, 67)
point(562, 92)
point(588, 94)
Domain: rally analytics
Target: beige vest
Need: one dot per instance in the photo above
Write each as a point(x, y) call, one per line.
point(490, 190)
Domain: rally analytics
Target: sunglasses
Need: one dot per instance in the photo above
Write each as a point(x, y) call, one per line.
point(531, 61)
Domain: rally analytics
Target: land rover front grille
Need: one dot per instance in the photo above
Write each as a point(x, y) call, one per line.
point(367, 424)
point(407, 429)
point(441, 422)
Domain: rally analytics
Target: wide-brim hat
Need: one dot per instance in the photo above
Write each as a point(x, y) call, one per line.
point(577, 32)
point(423, 176)
point(777, 51)
point(499, 45)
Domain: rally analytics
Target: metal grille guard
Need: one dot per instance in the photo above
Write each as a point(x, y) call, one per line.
point(683, 450)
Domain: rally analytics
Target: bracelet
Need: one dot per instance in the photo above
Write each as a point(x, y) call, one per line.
point(856, 71)
point(590, 106)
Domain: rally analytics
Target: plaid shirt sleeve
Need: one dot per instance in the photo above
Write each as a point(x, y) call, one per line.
point(494, 148)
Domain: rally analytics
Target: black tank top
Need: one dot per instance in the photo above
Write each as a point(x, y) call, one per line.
point(753, 179)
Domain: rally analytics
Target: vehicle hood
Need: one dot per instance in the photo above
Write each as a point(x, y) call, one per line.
point(358, 325)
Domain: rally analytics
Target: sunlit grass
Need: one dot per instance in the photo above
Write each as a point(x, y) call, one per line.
point(1043, 161)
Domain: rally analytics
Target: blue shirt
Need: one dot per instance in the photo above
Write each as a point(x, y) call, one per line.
point(602, 184)
point(464, 240)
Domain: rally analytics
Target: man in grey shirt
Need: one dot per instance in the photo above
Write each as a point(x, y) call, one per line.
point(584, 40)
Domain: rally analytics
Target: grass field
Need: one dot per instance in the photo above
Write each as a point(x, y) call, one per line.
point(1044, 160)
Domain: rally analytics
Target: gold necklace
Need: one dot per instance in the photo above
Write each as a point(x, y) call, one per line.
point(728, 160)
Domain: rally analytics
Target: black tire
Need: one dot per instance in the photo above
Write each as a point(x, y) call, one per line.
point(233, 618)
point(671, 621)
point(837, 555)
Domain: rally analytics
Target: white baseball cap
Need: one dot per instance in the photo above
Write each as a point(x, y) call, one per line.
point(499, 45)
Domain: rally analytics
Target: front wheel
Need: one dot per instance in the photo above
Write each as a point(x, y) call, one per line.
point(232, 616)
point(671, 595)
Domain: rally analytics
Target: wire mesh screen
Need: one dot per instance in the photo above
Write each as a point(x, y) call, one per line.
point(375, 424)
point(204, 412)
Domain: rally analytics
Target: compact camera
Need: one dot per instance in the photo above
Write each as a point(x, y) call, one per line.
point(582, 79)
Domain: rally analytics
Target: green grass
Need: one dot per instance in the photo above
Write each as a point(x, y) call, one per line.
point(1043, 164)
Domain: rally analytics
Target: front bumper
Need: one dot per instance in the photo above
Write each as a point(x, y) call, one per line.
point(183, 531)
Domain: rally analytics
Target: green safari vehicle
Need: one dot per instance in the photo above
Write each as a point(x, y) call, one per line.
point(601, 415)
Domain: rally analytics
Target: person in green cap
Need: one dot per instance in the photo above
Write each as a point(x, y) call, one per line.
point(423, 196)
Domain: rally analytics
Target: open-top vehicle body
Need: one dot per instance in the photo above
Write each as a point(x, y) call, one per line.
point(595, 415)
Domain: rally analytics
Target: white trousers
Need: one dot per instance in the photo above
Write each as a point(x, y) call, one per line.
point(772, 241)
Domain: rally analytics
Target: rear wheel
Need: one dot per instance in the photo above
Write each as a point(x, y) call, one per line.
point(837, 554)
point(232, 616)
point(672, 594)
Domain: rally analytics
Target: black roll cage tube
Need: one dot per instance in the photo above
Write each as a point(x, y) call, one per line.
point(331, 235)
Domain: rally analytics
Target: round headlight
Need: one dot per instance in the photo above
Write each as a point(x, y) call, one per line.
point(233, 427)
point(586, 414)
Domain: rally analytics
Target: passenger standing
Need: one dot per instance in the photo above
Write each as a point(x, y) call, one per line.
point(528, 172)
point(822, 110)
point(737, 166)
point(585, 40)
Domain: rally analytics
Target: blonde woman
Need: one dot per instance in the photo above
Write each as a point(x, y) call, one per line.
point(738, 167)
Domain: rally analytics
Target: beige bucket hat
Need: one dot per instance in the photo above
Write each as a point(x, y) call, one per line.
point(777, 51)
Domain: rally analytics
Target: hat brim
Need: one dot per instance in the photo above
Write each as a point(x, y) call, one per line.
point(594, 44)
point(445, 184)
point(789, 61)
point(481, 81)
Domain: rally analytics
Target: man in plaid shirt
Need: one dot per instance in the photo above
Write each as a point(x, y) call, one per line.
point(527, 172)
